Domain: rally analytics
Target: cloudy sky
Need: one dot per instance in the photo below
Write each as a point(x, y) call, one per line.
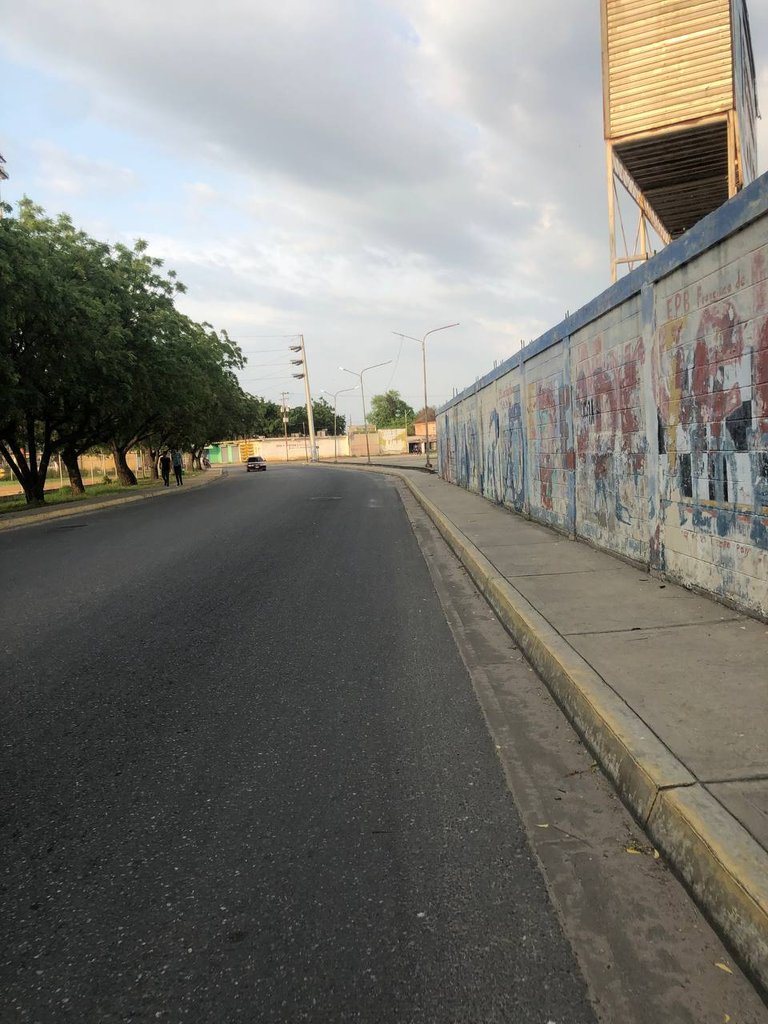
point(343, 168)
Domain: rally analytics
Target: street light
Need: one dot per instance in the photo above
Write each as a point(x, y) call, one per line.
point(422, 341)
point(362, 392)
point(334, 395)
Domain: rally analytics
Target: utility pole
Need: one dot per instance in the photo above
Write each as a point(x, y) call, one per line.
point(362, 394)
point(305, 377)
point(285, 422)
point(423, 342)
point(335, 396)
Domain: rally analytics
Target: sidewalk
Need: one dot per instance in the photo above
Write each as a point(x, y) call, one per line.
point(668, 689)
point(31, 516)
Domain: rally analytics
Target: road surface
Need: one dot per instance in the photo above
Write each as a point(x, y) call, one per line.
point(245, 776)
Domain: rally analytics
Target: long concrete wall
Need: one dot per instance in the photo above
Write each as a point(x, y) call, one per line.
point(640, 423)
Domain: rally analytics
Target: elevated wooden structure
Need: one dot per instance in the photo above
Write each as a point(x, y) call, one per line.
point(679, 104)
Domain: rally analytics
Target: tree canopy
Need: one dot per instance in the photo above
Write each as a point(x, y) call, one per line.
point(93, 351)
point(390, 410)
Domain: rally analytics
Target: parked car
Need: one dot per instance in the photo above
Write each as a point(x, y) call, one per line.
point(254, 464)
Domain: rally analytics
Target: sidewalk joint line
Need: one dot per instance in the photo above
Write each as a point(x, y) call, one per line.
point(677, 785)
point(567, 572)
point(651, 629)
point(757, 777)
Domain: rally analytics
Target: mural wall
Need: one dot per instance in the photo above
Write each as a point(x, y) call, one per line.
point(641, 423)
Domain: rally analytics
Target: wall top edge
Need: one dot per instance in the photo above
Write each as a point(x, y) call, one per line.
point(733, 216)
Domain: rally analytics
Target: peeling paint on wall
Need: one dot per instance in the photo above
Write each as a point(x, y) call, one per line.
point(644, 428)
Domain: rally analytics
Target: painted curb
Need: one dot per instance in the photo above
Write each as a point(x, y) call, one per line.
point(74, 508)
point(721, 864)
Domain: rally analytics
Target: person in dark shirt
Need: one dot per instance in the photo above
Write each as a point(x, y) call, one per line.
point(178, 467)
point(165, 468)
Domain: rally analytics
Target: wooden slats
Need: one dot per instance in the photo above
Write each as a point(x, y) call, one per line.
point(667, 61)
point(679, 105)
point(683, 174)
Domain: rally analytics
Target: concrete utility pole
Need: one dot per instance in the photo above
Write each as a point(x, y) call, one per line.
point(285, 421)
point(305, 377)
point(422, 341)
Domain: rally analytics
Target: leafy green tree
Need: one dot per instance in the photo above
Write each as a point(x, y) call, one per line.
point(322, 412)
point(211, 401)
point(390, 410)
point(94, 352)
point(59, 338)
point(156, 354)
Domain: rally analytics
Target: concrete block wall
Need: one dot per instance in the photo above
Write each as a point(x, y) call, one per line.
point(641, 422)
point(549, 433)
point(608, 370)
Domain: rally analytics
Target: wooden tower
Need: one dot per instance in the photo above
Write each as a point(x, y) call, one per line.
point(679, 103)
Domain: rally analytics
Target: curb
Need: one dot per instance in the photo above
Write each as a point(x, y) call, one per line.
point(723, 867)
point(76, 508)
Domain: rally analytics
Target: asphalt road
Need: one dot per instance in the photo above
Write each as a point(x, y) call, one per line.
point(245, 776)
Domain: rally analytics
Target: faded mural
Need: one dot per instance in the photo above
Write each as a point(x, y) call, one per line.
point(645, 431)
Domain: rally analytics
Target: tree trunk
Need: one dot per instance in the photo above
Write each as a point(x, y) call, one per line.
point(154, 456)
point(69, 458)
point(26, 469)
point(125, 474)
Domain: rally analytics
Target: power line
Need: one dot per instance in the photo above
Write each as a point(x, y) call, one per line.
point(261, 379)
point(279, 362)
point(266, 351)
point(394, 368)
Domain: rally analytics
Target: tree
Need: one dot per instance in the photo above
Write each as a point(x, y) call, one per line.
point(211, 402)
point(59, 338)
point(297, 419)
point(390, 410)
point(156, 353)
point(431, 415)
point(323, 415)
point(93, 351)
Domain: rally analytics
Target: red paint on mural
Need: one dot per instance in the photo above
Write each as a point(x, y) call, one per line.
point(760, 378)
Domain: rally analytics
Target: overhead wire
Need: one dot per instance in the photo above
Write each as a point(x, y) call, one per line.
point(279, 362)
point(394, 368)
point(267, 351)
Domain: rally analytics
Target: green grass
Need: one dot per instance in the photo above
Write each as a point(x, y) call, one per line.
point(62, 495)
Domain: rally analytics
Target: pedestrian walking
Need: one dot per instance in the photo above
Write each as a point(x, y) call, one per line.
point(178, 467)
point(165, 468)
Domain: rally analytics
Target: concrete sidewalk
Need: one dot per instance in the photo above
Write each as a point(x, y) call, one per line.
point(668, 689)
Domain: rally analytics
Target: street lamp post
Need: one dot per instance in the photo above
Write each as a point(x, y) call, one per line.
point(334, 395)
point(362, 392)
point(422, 341)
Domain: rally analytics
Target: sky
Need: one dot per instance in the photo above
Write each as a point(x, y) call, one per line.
point(343, 169)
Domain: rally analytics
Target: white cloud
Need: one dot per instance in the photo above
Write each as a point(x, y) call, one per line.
point(347, 167)
point(68, 174)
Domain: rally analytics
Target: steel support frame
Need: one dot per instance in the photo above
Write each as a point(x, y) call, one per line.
point(621, 255)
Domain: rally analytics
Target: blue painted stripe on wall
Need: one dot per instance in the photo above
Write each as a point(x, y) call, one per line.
point(733, 216)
